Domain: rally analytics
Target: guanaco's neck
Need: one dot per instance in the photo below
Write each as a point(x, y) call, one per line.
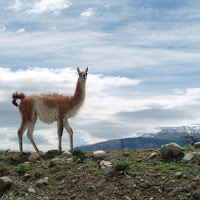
point(79, 94)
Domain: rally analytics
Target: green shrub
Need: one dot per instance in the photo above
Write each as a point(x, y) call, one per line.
point(79, 155)
point(21, 168)
point(122, 165)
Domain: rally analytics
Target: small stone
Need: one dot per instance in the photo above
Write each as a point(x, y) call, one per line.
point(197, 145)
point(178, 174)
point(108, 169)
point(26, 177)
point(5, 183)
point(66, 154)
point(69, 159)
point(188, 157)
point(134, 186)
point(31, 190)
point(99, 154)
point(126, 153)
point(153, 155)
point(54, 162)
point(40, 183)
point(160, 191)
point(126, 198)
point(104, 163)
point(46, 181)
point(21, 198)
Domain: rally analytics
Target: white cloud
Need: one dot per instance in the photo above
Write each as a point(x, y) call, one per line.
point(42, 6)
point(2, 28)
point(18, 5)
point(88, 12)
point(21, 30)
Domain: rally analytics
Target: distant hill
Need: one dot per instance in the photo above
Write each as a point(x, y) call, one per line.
point(148, 141)
point(131, 143)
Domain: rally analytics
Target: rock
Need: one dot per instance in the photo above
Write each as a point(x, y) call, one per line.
point(40, 183)
point(178, 174)
point(197, 145)
point(171, 149)
point(66, 154)
point(99, 154)
point(134, 186)
point(46, 181)
point(126, 198)
point(188, 157)
point(26, 177)
point(196, 194)
point(104, 164)
point(126, 153)
point(15, 157)
point(5, 183)
point(54, 162)
point(34, 156)
point(52, 153)
point(21, 198)
point(31, 190)
point(108, 169)
point(160, 191)
point(69, 159)
point(152, 155)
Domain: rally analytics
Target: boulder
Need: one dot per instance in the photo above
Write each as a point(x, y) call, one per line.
point(197, 145)
point(26, 177)
point(108, 169)
point(104, 164)
point(66, 154)
point(99, 154)
point(171, 149)
point(46, 181)
point(54, 162)
point(34, 156)
point(15, 157)
point(126, 153)
point(5, 183)
point(188, 157)
point(31, 190)
point(40, 183)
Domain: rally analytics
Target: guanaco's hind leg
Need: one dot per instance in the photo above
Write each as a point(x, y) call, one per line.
point(20, 133)
point(60, 132)
point(31, 127)
point(70, 131)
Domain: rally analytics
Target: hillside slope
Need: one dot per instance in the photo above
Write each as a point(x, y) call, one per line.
point(136, 176)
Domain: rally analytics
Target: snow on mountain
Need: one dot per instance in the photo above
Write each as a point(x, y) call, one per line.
point(177, 133)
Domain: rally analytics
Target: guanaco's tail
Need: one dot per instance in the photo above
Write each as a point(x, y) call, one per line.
point(16, 96)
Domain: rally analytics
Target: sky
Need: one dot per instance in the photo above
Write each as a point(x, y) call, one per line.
point(143, 58)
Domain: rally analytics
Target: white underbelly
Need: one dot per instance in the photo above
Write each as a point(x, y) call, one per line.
point(45, 114)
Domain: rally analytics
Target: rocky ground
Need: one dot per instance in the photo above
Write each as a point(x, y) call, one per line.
point(128, 174)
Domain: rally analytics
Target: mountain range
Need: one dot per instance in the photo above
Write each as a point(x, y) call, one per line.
point(147, 141)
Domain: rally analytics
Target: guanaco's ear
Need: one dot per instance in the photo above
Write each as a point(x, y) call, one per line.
point(86, 70)
point(78, 70)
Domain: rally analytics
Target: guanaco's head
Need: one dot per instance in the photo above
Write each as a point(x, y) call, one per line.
point(83, 74)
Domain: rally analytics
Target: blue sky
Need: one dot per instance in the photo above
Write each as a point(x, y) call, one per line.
point(143, 59)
